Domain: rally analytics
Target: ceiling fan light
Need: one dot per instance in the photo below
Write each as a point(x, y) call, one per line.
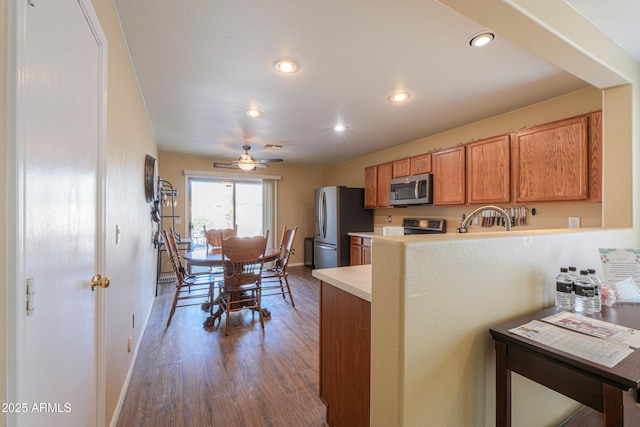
point(247, 166)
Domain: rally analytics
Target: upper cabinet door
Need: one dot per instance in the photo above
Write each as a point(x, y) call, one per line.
point(551, 162)
point(421, 164)
point(488, 170)
point(401, 168)
point(370, 187)
point(384, 185)
point(377, 186)
point(449, 176)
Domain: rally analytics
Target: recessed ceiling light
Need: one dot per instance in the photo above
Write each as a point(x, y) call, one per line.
point(339, 128)
point(399, 97)
point(481, 39)
point(285, 66)
point(252, 112)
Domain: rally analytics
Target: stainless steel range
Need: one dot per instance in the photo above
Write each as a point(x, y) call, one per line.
point(424, 226)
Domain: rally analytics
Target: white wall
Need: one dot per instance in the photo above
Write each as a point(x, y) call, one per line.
point(130, 264)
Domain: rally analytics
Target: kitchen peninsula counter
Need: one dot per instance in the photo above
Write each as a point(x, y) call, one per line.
point(345, 343)
point(355, 280)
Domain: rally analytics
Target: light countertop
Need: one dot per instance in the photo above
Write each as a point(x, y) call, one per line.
point(355, 279)
point(365, 234)
point(379, 231)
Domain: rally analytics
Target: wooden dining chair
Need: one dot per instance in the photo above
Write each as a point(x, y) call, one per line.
point(193, 290)
point(214, 236)
point(275, 280)
point(242, 265)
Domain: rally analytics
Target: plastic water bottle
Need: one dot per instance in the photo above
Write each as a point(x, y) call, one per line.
point(584, 294)
point(564, 290)
point(597, 304)
point(574, 277)
point(573, 273)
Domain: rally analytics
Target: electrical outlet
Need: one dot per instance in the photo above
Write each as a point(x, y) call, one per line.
point(574, 222)
point(389, 218)
point(293, 251)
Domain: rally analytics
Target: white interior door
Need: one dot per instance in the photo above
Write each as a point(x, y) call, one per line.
point(61, 125)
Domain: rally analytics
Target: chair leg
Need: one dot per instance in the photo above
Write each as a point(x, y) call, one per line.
point(286, 280)
point(173, 306)
point(259, 299)
point(228, 311)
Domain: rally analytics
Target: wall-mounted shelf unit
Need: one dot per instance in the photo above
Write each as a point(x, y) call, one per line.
point(167, 202)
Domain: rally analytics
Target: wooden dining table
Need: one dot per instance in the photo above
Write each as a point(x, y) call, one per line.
point(212, 258)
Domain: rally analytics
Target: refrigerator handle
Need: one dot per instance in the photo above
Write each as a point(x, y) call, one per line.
point(322, 246)
point(323, 210)
point(320, 213)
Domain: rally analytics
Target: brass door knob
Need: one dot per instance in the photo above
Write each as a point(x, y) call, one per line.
point(98, 280)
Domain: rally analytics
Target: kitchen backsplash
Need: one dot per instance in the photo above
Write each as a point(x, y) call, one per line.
point(548, 216)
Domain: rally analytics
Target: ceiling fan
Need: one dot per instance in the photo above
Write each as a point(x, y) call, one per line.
point(246, 162)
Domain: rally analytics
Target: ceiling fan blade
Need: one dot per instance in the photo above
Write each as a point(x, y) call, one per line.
point(270, 161)
point(261, 165)
point(226, 165)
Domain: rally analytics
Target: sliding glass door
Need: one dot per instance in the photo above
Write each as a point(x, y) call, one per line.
point(223, 203)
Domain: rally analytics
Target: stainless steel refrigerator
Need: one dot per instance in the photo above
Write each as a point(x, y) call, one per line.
point(338, 211)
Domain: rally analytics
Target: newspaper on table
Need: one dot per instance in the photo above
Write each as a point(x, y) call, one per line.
point(596, 328)
point(596, 350)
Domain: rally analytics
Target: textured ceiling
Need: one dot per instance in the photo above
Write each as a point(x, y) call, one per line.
point(201, 64)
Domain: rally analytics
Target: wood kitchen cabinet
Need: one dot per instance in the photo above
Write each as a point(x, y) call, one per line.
point(420, 164)
point(489, 170)
point(415, 165)
point(551, 162)
point(360, 249)
point(345, 356)
point(449, 176)
point(595, 150)
point(401, 167)
point(377, 186)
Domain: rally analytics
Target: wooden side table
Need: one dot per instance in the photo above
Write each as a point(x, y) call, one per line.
point(608, 391)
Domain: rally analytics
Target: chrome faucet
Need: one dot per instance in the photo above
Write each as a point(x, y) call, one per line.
point(466, 221)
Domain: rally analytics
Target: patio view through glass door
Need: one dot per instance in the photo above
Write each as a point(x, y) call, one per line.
point(221, 203)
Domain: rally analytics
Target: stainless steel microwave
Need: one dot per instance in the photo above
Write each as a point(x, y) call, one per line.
point(412, 190)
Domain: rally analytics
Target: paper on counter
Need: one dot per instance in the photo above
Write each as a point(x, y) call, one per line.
point(628, 291)
point(596, 350)
point(596, 328)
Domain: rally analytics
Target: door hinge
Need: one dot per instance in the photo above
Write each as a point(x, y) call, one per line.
point(30, 296)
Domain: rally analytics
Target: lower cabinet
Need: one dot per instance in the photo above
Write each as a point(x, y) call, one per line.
point(345, 356)
point(360, 250)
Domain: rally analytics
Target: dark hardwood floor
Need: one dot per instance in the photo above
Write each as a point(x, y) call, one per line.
point(188, 375)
